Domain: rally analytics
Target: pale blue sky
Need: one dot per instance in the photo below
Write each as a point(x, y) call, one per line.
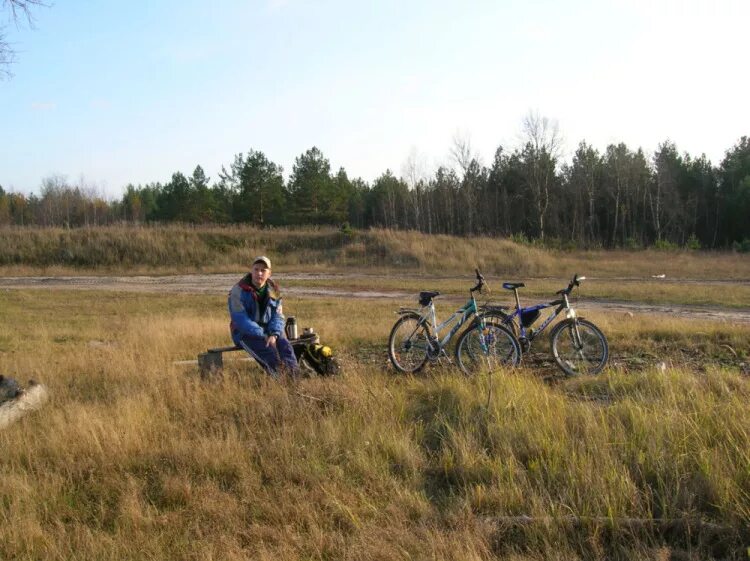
point(129, 91)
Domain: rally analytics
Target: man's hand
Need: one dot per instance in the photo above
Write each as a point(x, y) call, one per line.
point(271, 341)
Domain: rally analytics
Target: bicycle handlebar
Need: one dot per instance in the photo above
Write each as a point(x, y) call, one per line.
point(573, 283)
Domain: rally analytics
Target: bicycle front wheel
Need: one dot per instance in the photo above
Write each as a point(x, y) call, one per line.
point(579, 347)
point(408, 343)
point(491, 347)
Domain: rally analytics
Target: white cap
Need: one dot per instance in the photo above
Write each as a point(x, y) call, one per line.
point(262, 259)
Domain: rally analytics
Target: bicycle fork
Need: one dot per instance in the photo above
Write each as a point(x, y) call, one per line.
point(485, 341)
point(485, 337)
point(576, 333)
point(570, 313)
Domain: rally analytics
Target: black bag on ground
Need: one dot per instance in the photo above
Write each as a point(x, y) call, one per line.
point(9, 389)
point(318, 357)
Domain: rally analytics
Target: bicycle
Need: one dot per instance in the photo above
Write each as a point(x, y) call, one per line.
point(416, 339)
point(577, 345)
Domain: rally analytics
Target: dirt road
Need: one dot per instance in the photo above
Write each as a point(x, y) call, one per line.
point(220, 284)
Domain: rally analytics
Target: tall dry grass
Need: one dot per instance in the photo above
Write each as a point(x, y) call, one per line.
point(135, 458)
point(176, 248)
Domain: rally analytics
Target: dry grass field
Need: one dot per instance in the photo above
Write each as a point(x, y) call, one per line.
point(183, 249)
point(134, 457)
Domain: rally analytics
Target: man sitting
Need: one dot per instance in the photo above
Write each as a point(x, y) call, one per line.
point(258, 320)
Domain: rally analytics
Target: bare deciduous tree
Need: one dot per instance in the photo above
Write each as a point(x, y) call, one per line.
point(414, 169)
point(543, 143)
point(21, 9)
point(414, 172)
point(543, 133)
point(18, 11)
point(461, 152)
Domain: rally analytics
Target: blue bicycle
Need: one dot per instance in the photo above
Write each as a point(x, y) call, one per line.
point(416, 337)
point(578, 346)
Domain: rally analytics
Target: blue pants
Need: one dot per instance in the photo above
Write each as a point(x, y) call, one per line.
point(271, 358)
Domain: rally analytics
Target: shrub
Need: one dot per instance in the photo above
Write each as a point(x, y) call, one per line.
point(665, 245)
point(520, 238)
point(693, 242)
point(632, 243)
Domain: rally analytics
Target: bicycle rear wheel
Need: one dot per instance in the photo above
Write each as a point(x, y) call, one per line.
point(579, 347)
point(503, 318)
point(492, 347)
point(500, 316)
point(408, 343)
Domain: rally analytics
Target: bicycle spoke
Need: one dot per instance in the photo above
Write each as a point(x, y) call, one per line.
point(408, 345)
point(579, 348)
point(489, 348)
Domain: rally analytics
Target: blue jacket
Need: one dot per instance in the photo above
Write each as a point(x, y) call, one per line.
point(245, 313)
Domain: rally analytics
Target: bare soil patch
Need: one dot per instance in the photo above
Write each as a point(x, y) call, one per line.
point(221, 283)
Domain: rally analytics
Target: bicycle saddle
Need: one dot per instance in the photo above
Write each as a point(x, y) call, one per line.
point(426, 296)
point(513, 285)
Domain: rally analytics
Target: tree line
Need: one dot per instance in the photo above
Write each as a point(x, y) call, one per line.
point(616, 198)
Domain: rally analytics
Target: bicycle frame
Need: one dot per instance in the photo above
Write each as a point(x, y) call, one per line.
point(527, 332)
point(418, 336)
point(577, 345)
point(460, 316)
